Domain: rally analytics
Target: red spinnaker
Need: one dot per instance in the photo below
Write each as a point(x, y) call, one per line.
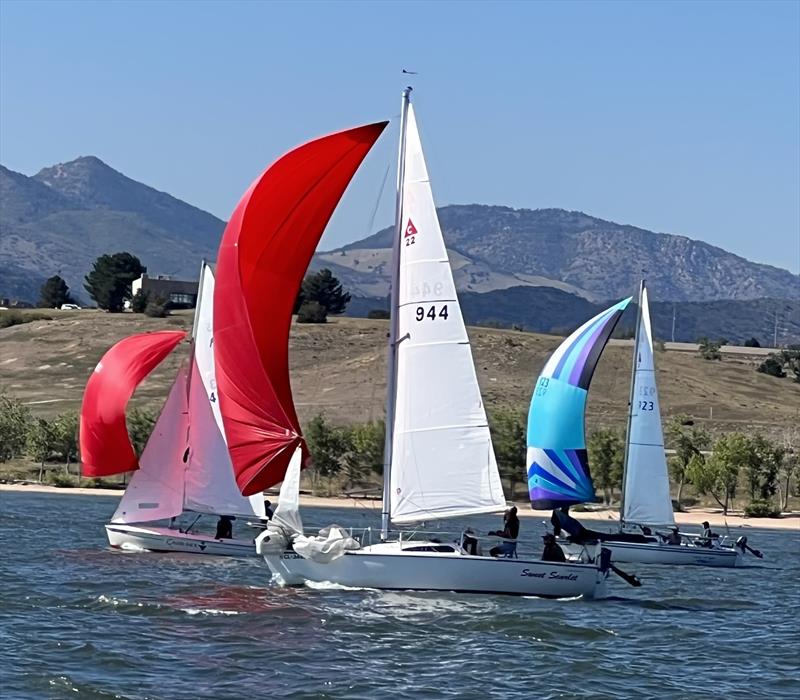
point(106, 447)
point(263, 256)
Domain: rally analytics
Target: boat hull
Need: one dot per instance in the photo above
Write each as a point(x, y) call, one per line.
point(435, 571)
point(659, 553)
point(162, 539)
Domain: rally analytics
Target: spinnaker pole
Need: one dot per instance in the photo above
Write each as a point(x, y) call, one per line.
point(630, 402)
point(391, 381)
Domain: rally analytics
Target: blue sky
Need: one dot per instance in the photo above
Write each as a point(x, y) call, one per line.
point(681, 117)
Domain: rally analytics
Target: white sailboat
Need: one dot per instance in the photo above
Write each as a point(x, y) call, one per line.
point(439, 460)
point(646, 498)
point(185, 466)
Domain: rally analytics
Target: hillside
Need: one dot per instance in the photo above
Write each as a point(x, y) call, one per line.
point(62, 218)
point(548, 310)
point(339, 368)
point(494, 248)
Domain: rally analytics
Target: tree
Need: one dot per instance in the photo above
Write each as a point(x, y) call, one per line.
point(326, 290)
point(761, 465)
point(54, 292)
point(791, 360)
point(14, 421)
point(312, 312)
point(109, 282)
point(606, 455)
point(363, 450)
point(156, 307)
point(773, 366)
point(40, 442)
point(140, 425)
point(709, 350)
point(719, 474)
point(326, 445)
point(139, 301)
point(752, 343)
point(65, 427)
point(687, 441)
point(789, 468)
point(508, 429)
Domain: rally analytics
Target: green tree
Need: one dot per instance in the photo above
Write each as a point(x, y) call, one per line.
point(312, 312)
point(326, 290)
point(156, 306)
point(109, 281)
point(791, 360)
point(326, 445)
point(687, 440)
point(789, 468)
point(772, 366)
point(140, 425)
point(752, 343)
point(363, 451)
point(606, 454)
point(65, 428)
point(709, 349)
point(139, 301)
point(54, 292)
point(14, 421)
point(718, 475)
point(508, 428)
point(41, 442)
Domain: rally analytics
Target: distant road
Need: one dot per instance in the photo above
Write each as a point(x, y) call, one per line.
point(694, 347)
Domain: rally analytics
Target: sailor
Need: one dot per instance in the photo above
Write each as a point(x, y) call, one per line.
point(552, 552)
point(509, 532)
point(268, 513)
point(674, 536)
point(707, 537)
point(224, 527)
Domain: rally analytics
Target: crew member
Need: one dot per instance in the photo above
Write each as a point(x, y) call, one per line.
point(224, 527)
point(509, 532)
point(552, 552)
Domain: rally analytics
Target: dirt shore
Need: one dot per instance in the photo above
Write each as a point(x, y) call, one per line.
point(609, 516)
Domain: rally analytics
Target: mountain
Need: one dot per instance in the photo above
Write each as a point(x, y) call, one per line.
point(493, 248)
point(62, 218)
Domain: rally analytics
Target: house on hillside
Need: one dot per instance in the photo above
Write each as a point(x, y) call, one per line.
point(181, 294)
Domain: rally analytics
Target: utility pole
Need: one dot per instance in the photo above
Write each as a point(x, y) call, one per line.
point(673, 321)
point(775, 336)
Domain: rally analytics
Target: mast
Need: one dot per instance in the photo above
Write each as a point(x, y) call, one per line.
point(630, 401)
point(391, 381)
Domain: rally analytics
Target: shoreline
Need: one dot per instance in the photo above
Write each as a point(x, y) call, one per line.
point(607, 515)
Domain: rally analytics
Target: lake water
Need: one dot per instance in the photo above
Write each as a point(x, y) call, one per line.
point(82, 621)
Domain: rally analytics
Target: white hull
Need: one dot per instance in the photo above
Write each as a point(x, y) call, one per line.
point(162, 539)
point(659, 553)
point(387, 566)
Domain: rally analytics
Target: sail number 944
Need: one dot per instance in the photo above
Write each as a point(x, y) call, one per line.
point(432, 313)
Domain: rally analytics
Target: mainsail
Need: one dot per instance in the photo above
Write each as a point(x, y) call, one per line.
point(442, 460)
point(558, 468)
point(106, 447)
point(646, 487)
point(264, 253)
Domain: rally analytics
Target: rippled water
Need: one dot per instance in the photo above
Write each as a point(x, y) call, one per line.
point(82, 621)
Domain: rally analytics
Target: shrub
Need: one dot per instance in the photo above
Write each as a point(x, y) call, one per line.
point(761, 509)
point(156, 307)
point(140, 301)
point(15, 318)
point(312, 312)
point(60, 479)
point(772, 366)
point(378, 314)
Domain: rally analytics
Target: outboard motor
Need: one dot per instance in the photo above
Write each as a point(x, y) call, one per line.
point(741, 543)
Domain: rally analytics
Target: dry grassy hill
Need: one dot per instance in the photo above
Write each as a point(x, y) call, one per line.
point(339, 368)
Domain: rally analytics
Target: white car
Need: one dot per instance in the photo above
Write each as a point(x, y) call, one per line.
point(70, 307)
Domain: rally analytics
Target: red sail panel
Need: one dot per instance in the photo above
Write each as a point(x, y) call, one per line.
point(106, 447)
point(263, 256)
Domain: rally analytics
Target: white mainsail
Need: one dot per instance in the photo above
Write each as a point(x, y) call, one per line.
point(443, 463)
point(155, 490)
point(210, 486)
point(646, 488)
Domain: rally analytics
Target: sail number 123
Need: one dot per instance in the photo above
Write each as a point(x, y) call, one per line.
point(432, 313)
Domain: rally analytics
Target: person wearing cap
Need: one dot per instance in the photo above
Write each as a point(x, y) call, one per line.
point(674, 536)
point(552, 552)
point(510, 532)
point(707, 537)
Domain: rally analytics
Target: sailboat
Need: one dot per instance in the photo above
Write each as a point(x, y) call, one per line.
point(646, 503)
point(184, 466)
point(439, 459)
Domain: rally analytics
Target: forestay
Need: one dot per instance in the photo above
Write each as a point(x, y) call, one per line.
point(443, 462)
point(210, 486)
point(156, 488)
point(647, 498)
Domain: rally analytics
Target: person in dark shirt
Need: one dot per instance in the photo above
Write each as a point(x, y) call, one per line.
point(552, 552)
point(224, 527)
point(707, 537)
point(509, 532)
point(674, 536)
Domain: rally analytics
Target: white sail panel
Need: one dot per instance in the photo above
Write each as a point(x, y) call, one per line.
point(647, 498)
point(210, 484)
point(287, 514)
point(443, 462)
point(155, 490)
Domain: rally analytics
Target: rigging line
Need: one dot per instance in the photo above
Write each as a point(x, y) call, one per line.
point(378, 200)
